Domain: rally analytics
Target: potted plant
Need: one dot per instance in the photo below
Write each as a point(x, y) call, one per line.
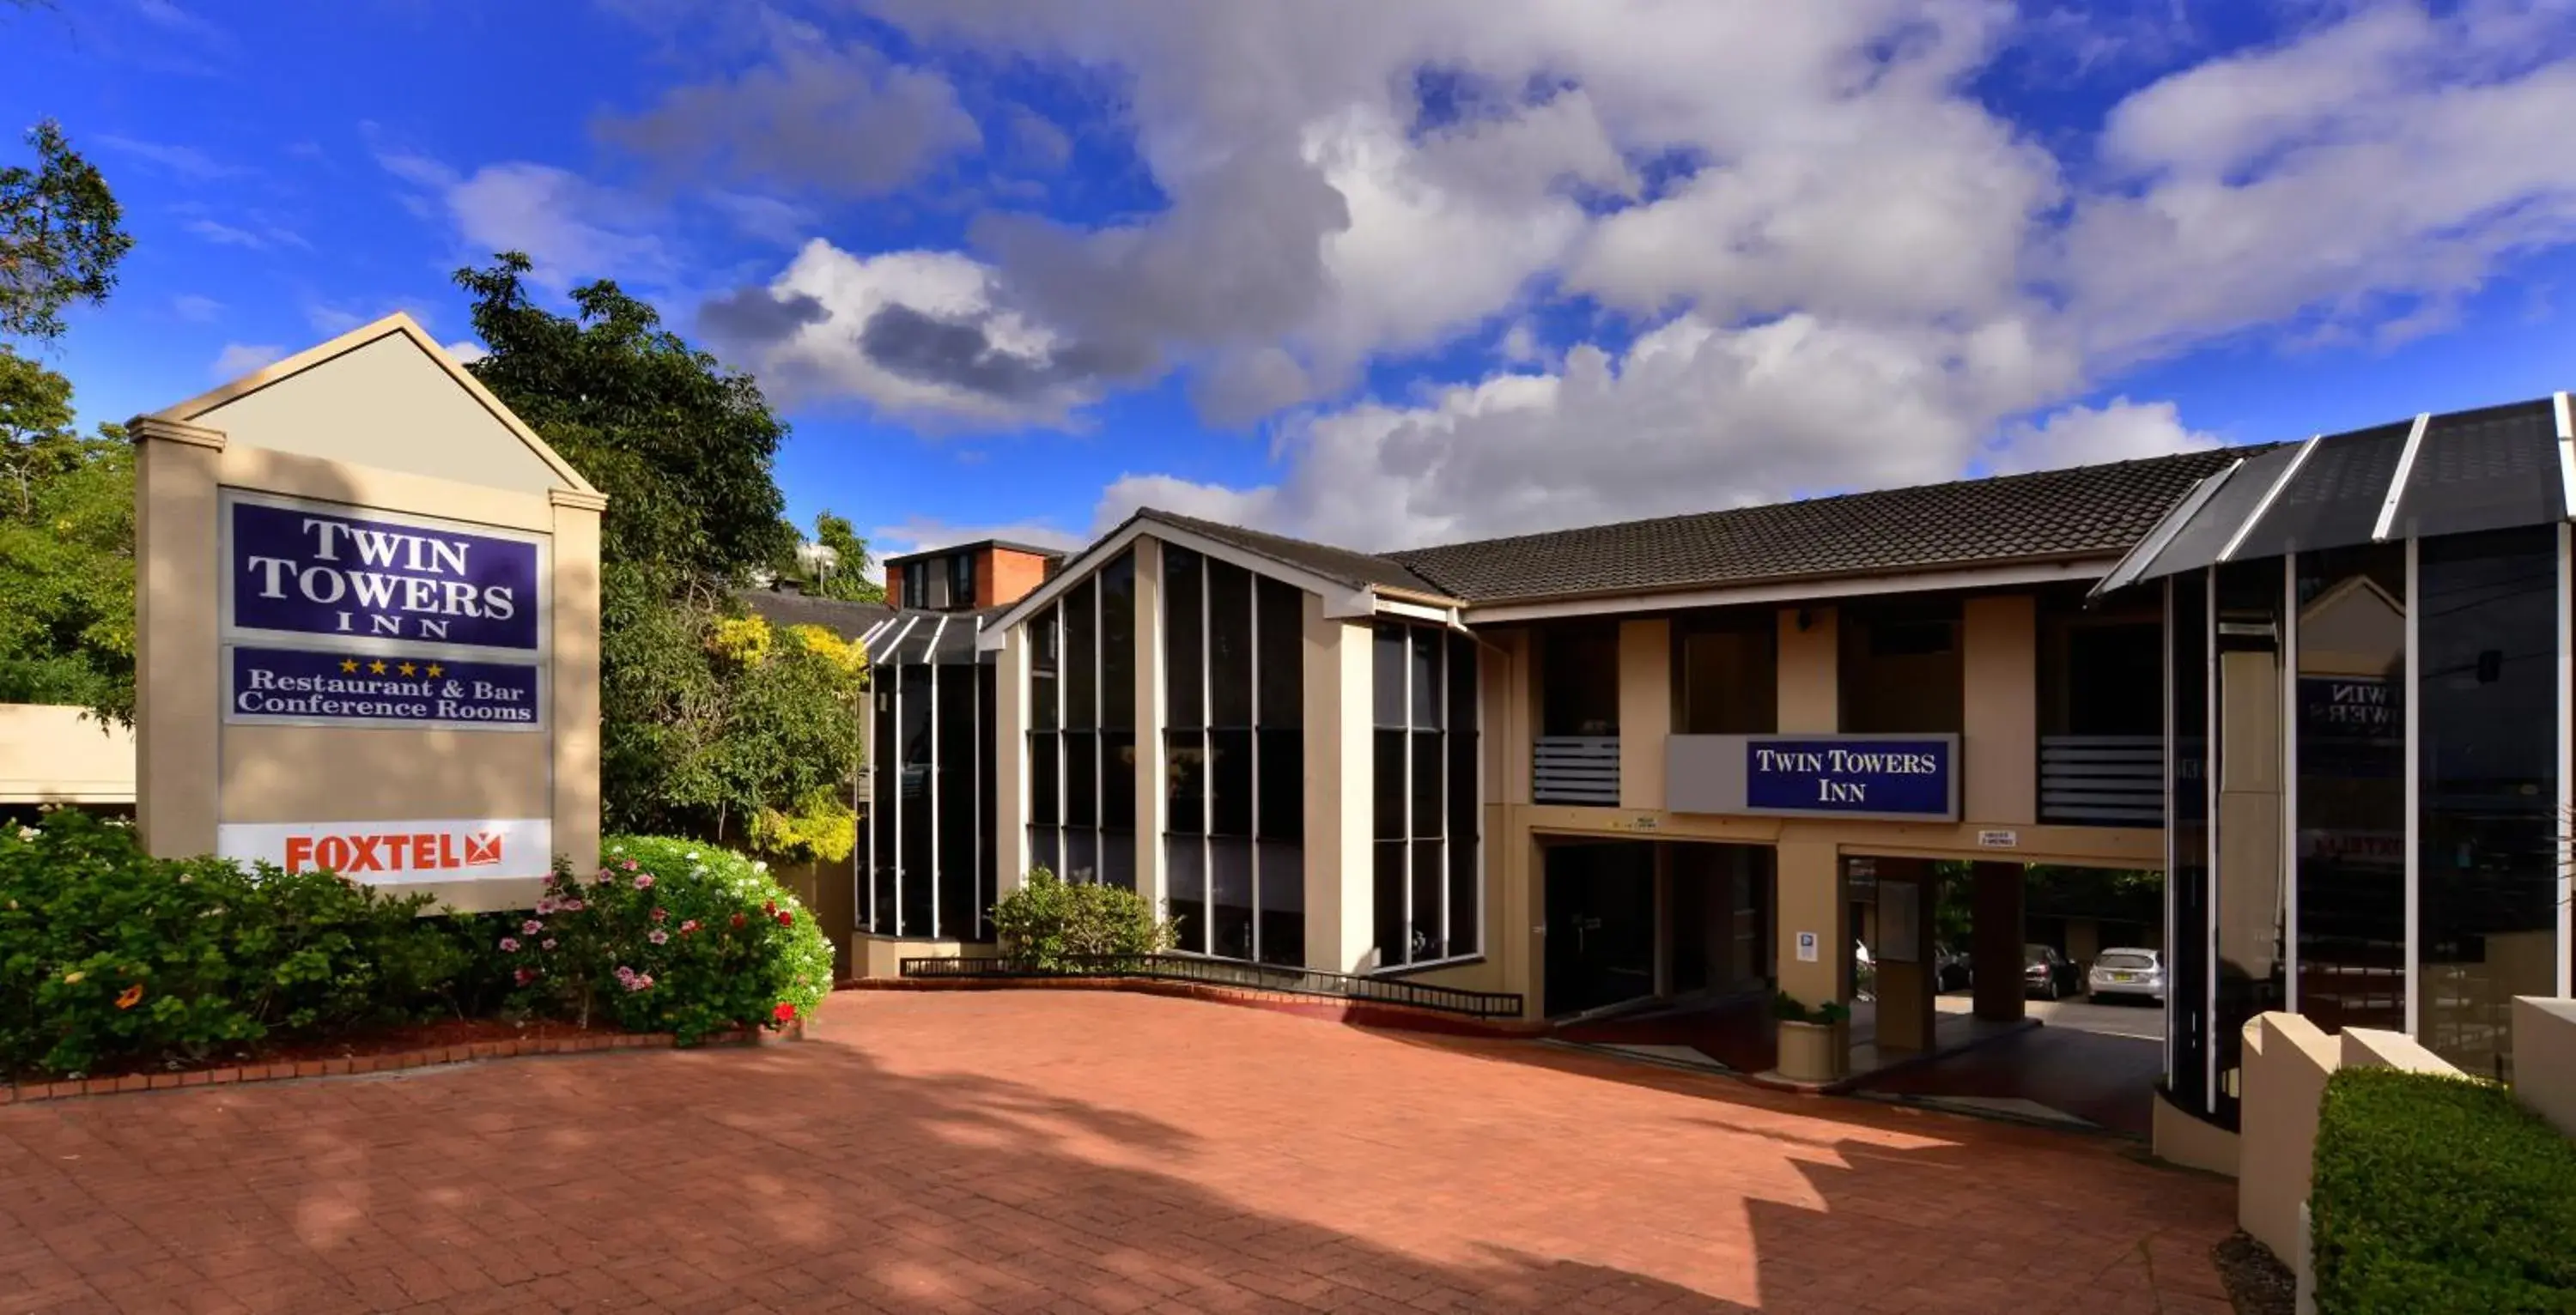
point(1811, 1040)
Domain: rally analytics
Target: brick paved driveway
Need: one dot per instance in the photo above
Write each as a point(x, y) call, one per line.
point(1028, 1151)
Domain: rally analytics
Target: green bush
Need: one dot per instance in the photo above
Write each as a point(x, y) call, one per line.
point(107, 955)
point(1049, 922)
point(1790, 1009)
point(670, 936)
point(2437, 1194)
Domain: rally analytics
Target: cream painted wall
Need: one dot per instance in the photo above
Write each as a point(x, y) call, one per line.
point(1153, 802)
point(1341, 815)
point(60, 755)
point(1645, 710)
point(1811, 898)
point(1999, 670)
point(1010, 763)
point(385, 404)
point(1810, 672)
point(178, 705)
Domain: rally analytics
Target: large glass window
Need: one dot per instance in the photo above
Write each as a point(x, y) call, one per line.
point(2101, 744)
point(2487, 694)
point(1727, 666)
point(927, 861)
point(1234, 839)
point(2250, 896)
point(2351, 718)
point(2187, 1073)
point(1428, 900)
point(1082, 777)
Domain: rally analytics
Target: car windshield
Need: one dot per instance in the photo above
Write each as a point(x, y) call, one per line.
point(2035, 954)
point(2126, 960)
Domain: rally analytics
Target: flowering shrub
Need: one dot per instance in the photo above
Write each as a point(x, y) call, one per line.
point(108, 955)
point(1049, 923)
point(670, 936)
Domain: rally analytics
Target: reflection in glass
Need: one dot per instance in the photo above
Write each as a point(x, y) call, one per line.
point(2487, 685)
point(1282, 645)
point(1118, 643)
point(1230, 898)
point(1185, 880)
point(955, 901)
point(2352, 787)
point(2251, 892)
point(1082, 656)
point(1184, 667)
point(1229, 645)
point(1283, 902)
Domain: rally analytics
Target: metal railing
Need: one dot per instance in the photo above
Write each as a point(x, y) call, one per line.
point(1227, 972)
point(1575, 769)
point(2102, 780)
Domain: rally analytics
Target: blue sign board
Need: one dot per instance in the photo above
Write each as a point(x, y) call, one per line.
point(308, 687)
point(1896, 777)
point(307, 571)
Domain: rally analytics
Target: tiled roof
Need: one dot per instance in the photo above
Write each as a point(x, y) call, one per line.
point(2083, 511)
point(784, 607)
point(1359, 570)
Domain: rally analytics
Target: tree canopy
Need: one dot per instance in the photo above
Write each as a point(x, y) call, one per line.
point(61, 236)
point(66, 550)
point(846, 578)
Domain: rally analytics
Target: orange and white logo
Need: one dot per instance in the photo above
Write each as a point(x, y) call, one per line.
point(397, 852)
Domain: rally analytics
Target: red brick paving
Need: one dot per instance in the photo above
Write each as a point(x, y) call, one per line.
point(1057, 1151)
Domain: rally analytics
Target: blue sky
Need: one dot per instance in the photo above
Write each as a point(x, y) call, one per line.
point(1375, 274)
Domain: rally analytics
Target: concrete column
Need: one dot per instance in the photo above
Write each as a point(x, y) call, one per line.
point(1995, 939)
point(1010, 749)
point(177, 693)
point(1811, 899)
point(1645, 711)
point(1810, 678)
point(1153, 802)
point(1341, 816)
point(574, 687)
point(1999, 661)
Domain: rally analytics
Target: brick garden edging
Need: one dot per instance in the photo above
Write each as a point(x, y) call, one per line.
point(390, 1062)
point(1361, 1013)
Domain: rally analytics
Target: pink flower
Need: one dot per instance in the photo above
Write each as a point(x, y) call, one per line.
point(657, 936)
point(625, 974)
point(660, 915)
point(630, 865)
point(552, 881)
point(546, 906)
point(639, 982)
point(509, 945)
point(546, 944)
point(572, 906)
point(689, 926)
point(525, 976)
point(643, 881)
point(531, 927)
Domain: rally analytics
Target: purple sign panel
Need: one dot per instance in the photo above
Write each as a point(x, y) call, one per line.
point(304, 686)
point(315, 572)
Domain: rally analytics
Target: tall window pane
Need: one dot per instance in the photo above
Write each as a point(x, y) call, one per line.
point(1184, 664)
point(1229, 645)
point(1283, 902)
point(1230, 914)
point(1118, 643)
point(1387, 782)
point(1430, 926)
point(1466, 817)
point(1081, 855)
point(1283, 654)
point(1423, 794)
point(955, 897)
point(1430, 801)
point(1185, 772)
point(2187, 844)
point(2251, 890)
point(2352, 787)
point(1046, 848)
point(1283, 781)
point(1392, 930)
point(1046, 658)
point(1082, 656)
point(885, 762)
point(2487, 900)
point(1185, 886)
point(1081, 779)
point(1428, 707)
point(1230, 776)
point(1117, 781)
point(1045, 784)
point(987, 861)
point(913, 882)
point(1386, 668)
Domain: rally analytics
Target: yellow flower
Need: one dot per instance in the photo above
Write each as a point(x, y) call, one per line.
point(73, 979)
point(130, 996)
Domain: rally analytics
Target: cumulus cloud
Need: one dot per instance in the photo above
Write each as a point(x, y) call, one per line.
point(1722, 253)
point(570, 228)
point(240, 358)
point(835, 118)
point(926, 534)
point(467, 351)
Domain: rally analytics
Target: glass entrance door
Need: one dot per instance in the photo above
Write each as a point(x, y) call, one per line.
point(1600, 925)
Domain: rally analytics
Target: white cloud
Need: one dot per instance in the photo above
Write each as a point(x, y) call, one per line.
point(196, 309)
point(467, 351)
point(571, 229)
point(2118, 430)
point(924, 534)
point(238, 359)
point(253, 234)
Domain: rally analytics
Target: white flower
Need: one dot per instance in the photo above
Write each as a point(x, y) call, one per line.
point(28, 833)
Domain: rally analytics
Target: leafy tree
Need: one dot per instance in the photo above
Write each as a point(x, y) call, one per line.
point(66, 550)
point(711, 723)
point(847, 577)
point(60, 236)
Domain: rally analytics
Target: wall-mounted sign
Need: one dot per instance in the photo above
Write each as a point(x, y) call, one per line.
point(1998, 840)
point(305, 687)
point(398, 853)
point(1806, 947)
point(1893, 778)
point(300, 567)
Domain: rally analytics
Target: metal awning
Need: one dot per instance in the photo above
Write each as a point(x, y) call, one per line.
point(2488, 469)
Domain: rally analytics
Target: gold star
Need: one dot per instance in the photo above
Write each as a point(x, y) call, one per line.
point(348, 666)
point(408, 669)
point(435, 671)
point(376, 668)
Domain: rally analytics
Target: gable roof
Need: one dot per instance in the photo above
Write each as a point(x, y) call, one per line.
point(973, 545)
point(1358, 570)
point(400, 325)
point(2078, 512)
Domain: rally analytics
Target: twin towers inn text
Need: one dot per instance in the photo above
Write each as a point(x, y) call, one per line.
point(1834, 768)
point(433, 582)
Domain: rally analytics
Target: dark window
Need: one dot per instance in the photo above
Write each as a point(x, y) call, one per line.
point(1082, 656)
point(1230, 771)
point(1184, 667)
point(1466, 821)
point(1386, 665)
point(1728, 673)
point(1392, 931)
point(1282, 787)
point(1387, 784)
point(2251, 963)
point(1579, 673)
point(885, 760)
point(1282, 897)
point(1423, 793)
point(2351, 718)
point(1429, 799)
point(2187, 845)
point(1230, 913)
point(961, 580)
point(987, 862)
point(1118, 643)
point(913, 883)
point(1282, 645)
point(1081, 779)
point(1118, 859)
point(1900, 668)
point(2487, 911)
point(1045, 661)
point(1045, 779)
point(1117, 780)
point(1185, 883)
point(1185, 769)
point(1428, 706)
point(955, 900)
point(2490, 469)
point(1229, 645)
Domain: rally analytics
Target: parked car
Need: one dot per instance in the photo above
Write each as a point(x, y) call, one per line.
point(1952, 966)
point(2127, 973)
point(2048, 974)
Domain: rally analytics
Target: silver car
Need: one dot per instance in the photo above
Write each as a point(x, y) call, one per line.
point(2127, 972)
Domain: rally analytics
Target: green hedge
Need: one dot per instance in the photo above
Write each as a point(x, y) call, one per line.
point(2437, 1194)
point(1050, 922)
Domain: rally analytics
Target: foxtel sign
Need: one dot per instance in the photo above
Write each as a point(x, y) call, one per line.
point(313, 569)
point(399, 852)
